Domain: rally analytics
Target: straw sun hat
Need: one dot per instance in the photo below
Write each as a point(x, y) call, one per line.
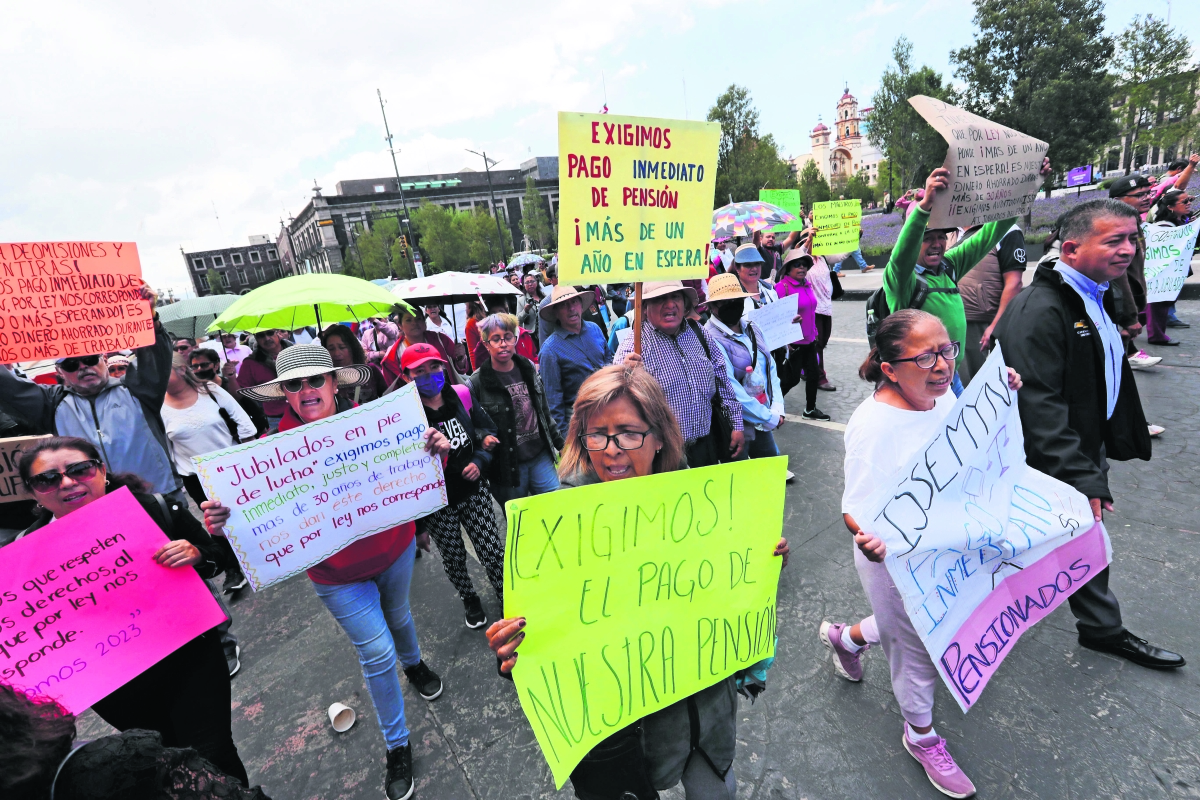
point(565, 294)
point(305, 361)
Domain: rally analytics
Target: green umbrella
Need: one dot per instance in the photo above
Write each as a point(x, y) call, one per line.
point(304, 300)
point(192, 316)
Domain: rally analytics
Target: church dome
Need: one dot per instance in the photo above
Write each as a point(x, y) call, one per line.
point(820, 128)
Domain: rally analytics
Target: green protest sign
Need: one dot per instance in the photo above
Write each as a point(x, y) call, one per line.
point(788, 200)
point(838, 223)
point(639, 593)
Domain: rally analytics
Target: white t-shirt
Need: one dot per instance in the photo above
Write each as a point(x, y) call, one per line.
point(199, 429)
point(880, 439)
point(236, 353)
point(444, 328)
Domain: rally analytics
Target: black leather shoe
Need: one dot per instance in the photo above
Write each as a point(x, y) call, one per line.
point(1171, 343)
point(1139, 651)
point(1177, 323)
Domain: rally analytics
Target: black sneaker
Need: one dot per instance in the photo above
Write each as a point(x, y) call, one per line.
point(424, 680)
point(816, 413)
point(399, 782)
point(475, 616)
point(234, 579)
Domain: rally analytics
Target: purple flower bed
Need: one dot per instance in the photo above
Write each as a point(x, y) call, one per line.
point(880, 231)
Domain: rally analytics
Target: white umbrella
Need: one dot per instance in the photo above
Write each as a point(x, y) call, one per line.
point(450, 288)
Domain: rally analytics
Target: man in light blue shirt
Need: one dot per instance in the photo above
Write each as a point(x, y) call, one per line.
point(1114, 348)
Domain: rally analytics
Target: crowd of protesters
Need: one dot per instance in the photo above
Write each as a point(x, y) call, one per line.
point(557, 386)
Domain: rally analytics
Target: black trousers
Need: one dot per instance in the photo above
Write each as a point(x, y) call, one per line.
point(703, 452)
point(195, 490)
point(185, 697)
point(802, 357)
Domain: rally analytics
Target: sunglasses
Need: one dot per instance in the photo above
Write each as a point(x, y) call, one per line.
point(45, 482)
point(117, 369)
point(182, 347)
point(72, 364)
point(296, 384)
point(205, 374)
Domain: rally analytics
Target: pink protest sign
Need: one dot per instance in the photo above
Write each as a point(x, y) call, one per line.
point(84, 608)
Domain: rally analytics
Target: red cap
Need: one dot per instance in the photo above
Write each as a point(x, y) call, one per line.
point(417, 354)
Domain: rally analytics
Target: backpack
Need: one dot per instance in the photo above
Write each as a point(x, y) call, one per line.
point(877, 304)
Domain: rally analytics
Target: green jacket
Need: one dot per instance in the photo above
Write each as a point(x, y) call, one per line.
point(899, 278)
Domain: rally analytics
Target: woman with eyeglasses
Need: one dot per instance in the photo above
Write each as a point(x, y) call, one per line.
point(912, 367)
point(622, 427)
point(186, 696)
point(365, 585)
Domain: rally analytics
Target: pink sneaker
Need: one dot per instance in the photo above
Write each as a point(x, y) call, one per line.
point(848, 665)
point(940, 768)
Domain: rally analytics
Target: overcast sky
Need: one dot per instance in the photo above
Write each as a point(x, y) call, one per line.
point(147, 121)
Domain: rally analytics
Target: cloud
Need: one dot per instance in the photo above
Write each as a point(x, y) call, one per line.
point(877, 9)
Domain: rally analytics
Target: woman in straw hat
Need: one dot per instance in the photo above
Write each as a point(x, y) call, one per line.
point(692, 370)
point(574, 350)
point(365, 585)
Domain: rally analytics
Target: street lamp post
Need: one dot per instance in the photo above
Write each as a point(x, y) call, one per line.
point(399, 185)
point(487, 168)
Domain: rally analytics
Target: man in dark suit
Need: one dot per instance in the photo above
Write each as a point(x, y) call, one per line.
point(1079, 404)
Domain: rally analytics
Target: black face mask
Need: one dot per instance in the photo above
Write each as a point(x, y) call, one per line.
point(730, 312)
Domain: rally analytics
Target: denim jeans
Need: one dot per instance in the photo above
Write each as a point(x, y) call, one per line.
point(537, 476)
point(857, 257)
point(761, 446)
point(375, 615)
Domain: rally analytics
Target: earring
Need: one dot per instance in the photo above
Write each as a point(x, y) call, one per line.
point(108, 481)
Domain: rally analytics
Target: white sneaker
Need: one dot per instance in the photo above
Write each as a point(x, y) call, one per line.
point(791, 476)
point(1143, 360)
point(1156, 430)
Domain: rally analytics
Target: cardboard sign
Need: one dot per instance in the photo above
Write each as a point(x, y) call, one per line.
point(980, 545)
point(84, 609)
point(775, 322)
point(837, 223)
point(635, 198)
point(11, 486)
point(60, 299)
point(994, 170)
point(1168, 256)
point(301, 496)
point(639, 593)
point(789, 201)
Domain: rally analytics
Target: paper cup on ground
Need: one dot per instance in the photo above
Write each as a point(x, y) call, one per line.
point(341, 717)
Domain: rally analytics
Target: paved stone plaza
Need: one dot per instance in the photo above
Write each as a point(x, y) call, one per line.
point(1056, 722)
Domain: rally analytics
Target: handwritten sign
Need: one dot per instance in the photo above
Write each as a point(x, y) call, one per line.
point(11, 486)
point(638, 594)
point(60, 299)
point(789, 201)
point(838, 223)
point(775, 322)
point(301, 496)
point(980, 545)
point(84, 609)
point(1168, 256)
point(994, 170)
point(636, 198)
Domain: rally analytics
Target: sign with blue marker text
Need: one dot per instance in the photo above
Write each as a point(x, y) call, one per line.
point(1168, 256)
point(980, 545)
point(301, 496)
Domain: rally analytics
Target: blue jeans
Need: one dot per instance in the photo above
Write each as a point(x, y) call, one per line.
point(761, 446)
point(374, 614)
point(858, 259)
point(537, 476)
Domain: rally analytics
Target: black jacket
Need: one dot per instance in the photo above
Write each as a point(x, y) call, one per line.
point(1047, 337)
point(489, 392)
point(453, 420)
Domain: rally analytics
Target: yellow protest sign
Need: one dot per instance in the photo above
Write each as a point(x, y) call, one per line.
point(838, 223)
point(635, 198)
point(639, 593)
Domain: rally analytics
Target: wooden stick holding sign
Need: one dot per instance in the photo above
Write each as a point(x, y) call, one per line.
point(637, 318)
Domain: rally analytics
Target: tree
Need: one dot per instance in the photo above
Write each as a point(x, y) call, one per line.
point(910, 143)
point(379, 249)
point(813, 188)
point(479, 229)
point(746, 161)
point(535, 219)
point(442, 237)
point(1155, 93)
point(1041, 67)
point(216, 285)
point(858, 188)
point(888, 182)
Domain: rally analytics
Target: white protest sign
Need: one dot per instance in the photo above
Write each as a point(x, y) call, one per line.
point(301, 496)
point(1168, 256)
point(775, 322)
point(994, 170)
point(980, 545)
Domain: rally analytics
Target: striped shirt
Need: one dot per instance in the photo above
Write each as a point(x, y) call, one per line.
point(687, 375)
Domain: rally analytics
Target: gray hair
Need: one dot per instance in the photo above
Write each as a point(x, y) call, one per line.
point(497, 322)
point(1078, 223)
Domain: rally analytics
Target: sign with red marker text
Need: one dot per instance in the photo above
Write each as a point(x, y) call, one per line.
point(639, 593)
point(635, 198)
point(980, 545)
point(994, 170)
point(84, 608)
point(61, 299)
point(301, 496)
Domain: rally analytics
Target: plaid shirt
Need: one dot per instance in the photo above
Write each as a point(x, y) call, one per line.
point(687, 375)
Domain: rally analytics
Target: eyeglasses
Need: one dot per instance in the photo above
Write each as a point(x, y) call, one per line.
point(72, 364)
point(927, 360)
point(626, 440)
point(182, 347)
point(296, 384)
point(498, 340)
point(205, 374)
point(1139, 195)
point(46, 482)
